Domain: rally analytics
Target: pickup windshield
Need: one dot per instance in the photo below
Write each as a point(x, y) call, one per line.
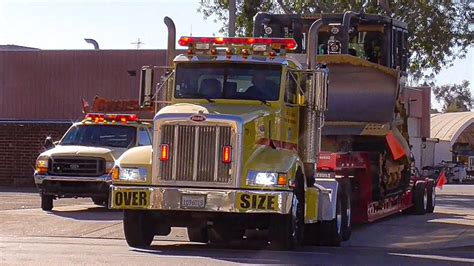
point(228, 81)
point(100, 136)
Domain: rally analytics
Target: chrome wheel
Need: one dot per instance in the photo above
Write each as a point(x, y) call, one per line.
point(425, 199)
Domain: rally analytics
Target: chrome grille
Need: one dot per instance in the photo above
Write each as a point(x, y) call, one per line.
point(195, 153)
point(76, 166)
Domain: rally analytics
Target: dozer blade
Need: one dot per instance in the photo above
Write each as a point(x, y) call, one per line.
point(360, 91)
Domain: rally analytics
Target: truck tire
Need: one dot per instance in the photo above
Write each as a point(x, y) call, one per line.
point(346, 208)
point(198, 234)
point(431, 195)
point(287, 231)
point(313, 234)
point(332, 230)
point(420, 198)
point(46, 202)
point(138, 228)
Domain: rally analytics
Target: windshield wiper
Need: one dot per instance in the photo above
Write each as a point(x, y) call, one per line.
point(197, 96)
point(262, 100)
point(209, 99)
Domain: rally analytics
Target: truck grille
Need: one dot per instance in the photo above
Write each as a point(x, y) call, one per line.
point(76, 166)
point(195, 153)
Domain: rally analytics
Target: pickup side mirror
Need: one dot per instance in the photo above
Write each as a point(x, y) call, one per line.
point(48, 143)
point(146, 87)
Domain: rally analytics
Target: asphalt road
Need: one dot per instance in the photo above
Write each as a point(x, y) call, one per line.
point(78, 232)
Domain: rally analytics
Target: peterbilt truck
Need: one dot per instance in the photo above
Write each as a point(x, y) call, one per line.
point(238, 144)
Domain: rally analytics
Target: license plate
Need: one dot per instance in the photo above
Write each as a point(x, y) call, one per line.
point(193, 201)
point(131, 199)
point(262, 202)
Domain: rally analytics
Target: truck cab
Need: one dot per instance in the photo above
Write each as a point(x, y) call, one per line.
point(227, 153)
point(79, 164)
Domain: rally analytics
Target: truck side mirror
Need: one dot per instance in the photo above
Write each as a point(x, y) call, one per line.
point(48, 143)
point(146, 87)
point(319, 83)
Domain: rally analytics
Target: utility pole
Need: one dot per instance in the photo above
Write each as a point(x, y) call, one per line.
point(138, 43)
point(232, 11)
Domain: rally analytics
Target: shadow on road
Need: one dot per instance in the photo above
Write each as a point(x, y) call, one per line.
point(237, 252)
point(90, 214)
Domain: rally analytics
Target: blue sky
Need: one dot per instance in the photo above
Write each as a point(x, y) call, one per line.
point(54, 24)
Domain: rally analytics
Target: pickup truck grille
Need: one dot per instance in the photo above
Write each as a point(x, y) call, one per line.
point(76, 166)
point(195, 153)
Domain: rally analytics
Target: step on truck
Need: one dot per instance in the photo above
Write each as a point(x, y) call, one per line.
point(238, 132)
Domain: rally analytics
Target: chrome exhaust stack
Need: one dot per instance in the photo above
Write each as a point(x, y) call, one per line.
point(171, 51)
point(316, 103)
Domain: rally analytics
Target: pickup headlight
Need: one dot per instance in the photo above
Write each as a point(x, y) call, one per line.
point(42, 165)
point(109, 167)
point(129, 174)
point(266, 179)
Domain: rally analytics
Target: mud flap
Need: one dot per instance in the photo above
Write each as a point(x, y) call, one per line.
point(312, 200)
point(327, 199)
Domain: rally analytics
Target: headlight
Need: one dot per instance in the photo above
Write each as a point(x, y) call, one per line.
point(266, 179)
point(129, 174)
point(42, 165)
point(109, 166)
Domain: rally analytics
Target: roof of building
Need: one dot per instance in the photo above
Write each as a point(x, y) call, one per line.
point(453, 126)
point(4, 47)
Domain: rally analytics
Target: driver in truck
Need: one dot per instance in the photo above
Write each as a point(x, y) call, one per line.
point(261, 87)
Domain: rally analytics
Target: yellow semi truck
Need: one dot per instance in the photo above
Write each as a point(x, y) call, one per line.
point(238, 129)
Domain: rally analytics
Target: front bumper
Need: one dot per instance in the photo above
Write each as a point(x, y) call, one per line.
point(215, 200)
point(73, 186)
point(39, 179)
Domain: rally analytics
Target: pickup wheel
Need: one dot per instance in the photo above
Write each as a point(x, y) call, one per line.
point(138, 228)
point(101, 201)
point(198, 234)
point(420, 197)
point(332, 230)
point(287, 231)
point(431, 195)
point(47, 202)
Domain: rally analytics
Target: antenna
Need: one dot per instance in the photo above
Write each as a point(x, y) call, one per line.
point(138, 43)
point(191, 33)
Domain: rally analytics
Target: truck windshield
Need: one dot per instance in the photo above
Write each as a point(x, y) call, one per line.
point(100, 135)
point(228, 81)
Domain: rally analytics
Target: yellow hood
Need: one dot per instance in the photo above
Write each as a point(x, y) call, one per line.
point(246, 112)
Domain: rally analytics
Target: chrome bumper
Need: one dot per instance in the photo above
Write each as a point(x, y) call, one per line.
point(216, 200)
point(103, 178)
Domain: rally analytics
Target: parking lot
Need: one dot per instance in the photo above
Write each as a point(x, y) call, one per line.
point(78, 232)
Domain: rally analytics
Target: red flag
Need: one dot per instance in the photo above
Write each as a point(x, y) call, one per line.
point(395, 147)
point(85, 106)
point(441, 180)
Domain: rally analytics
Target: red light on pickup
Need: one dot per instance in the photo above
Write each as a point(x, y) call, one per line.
point(103, 118)
point(164, 152)
point(226, 154)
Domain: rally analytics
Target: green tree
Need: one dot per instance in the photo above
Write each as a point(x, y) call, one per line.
point(439, 30)
point(455, 97)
